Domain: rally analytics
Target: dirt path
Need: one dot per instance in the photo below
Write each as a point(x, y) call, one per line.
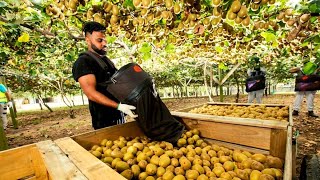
point(43, 125)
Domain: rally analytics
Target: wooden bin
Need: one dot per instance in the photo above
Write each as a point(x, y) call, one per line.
point(43, 160)
point(76, 148)
point(266, 135)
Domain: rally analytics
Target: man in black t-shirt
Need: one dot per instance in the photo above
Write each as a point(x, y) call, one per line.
point(105, 109)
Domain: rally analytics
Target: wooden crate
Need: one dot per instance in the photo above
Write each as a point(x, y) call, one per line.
point(289, 120)
point(266, 135)
point(43, 160)
point(76, 148)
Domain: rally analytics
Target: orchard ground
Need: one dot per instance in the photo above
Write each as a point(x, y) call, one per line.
point(42, 125)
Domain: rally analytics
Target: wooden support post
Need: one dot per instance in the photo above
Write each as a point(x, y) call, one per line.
point(13, 118)
point(3, 138)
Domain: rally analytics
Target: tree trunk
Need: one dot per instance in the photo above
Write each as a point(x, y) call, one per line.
point(220, 86)
point(82, 97)
point(238, 87)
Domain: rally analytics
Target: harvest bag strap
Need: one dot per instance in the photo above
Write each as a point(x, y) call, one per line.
point(103, 65)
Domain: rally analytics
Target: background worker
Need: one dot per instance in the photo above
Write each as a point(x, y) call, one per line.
point(5, 99)
point(256, 70)
point(308, 68)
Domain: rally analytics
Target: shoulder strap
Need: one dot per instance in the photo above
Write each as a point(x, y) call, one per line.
point(101, 63)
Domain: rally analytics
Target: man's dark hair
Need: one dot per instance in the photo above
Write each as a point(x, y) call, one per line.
point(91, 26)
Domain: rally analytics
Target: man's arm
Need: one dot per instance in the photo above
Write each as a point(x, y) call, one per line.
point(88, 85)
point(8, 95)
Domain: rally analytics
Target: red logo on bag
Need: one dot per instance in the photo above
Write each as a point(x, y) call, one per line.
point(304, 78)
point(137, 68)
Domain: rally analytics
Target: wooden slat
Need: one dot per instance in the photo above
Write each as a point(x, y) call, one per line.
point(288, 160)
point(57, 163)
point(256, 137)
point(278, 143)
point(87, 140)
point(189, 108)
point(89, 165)
point(290, 116)
point(22, 162)
point(237, 146)
point(38, 164)
point(233, 120)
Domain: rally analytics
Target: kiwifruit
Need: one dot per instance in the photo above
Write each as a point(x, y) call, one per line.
point(243, 12)
point(231, 15)
point(235, 6)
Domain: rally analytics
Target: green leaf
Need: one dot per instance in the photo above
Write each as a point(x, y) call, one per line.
point(218, 49)
point(111, 39)
point(145, 48)
point(269, 37)
point(304, 44)
point(146, 56)
point(3, 4)
point(170, 48)
point(222, 66)
point(24, 37)
point(128, 4)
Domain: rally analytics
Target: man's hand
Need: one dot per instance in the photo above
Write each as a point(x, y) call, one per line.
point(125, 108)
point(9, 104)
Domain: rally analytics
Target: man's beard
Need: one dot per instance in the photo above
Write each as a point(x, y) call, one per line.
point(99, 51)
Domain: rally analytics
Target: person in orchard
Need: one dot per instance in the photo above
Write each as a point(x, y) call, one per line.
point(258, 71)
point(308, 68)
point(105, 109)
point(5, 98)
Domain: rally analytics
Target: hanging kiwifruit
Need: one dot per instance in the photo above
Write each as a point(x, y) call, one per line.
point(115, 10)
point(192, 17)
point(107, 7)
point(136, 3)
point(290, 22)
point(246, 21)
point(135, 22)
point(304, 18)
point(216, 3)
point(289, 12)
point(272, 1)
point(216, 11)
point(235, 6)
point(144, 12)
point(146, 3)
point(231, 15)
point(206, 21)
point(254, 7)
point(264, 2)
point(90, 13)
point(73, 4)
point(113, 19)
point(165, 15)
point(216, 21)
point(97, 18)
point(243, 12)
point(280, 16)
point(169, 4)
point(238, 20)
point(176, 8)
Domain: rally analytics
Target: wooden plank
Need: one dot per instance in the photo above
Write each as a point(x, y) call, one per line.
point(89, 165)
point(278, 143)
point(21, 162)
point(290, 116)
point(237, 146)
point(256, 137)
point(288, 160)
point(87, 140)
point(189, 108)
point(57, 163)
point(38, 164)
point(233, 120)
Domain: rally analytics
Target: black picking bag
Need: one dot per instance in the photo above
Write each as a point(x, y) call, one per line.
point(127, 81)
point(255, 83)
point(132, 85)
point(307, 83)
point(154, 118)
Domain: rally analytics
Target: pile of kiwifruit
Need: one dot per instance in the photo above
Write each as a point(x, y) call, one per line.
point(252, 111)
point(191, 158)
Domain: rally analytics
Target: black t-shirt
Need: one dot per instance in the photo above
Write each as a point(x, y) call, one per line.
point(102, 116)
